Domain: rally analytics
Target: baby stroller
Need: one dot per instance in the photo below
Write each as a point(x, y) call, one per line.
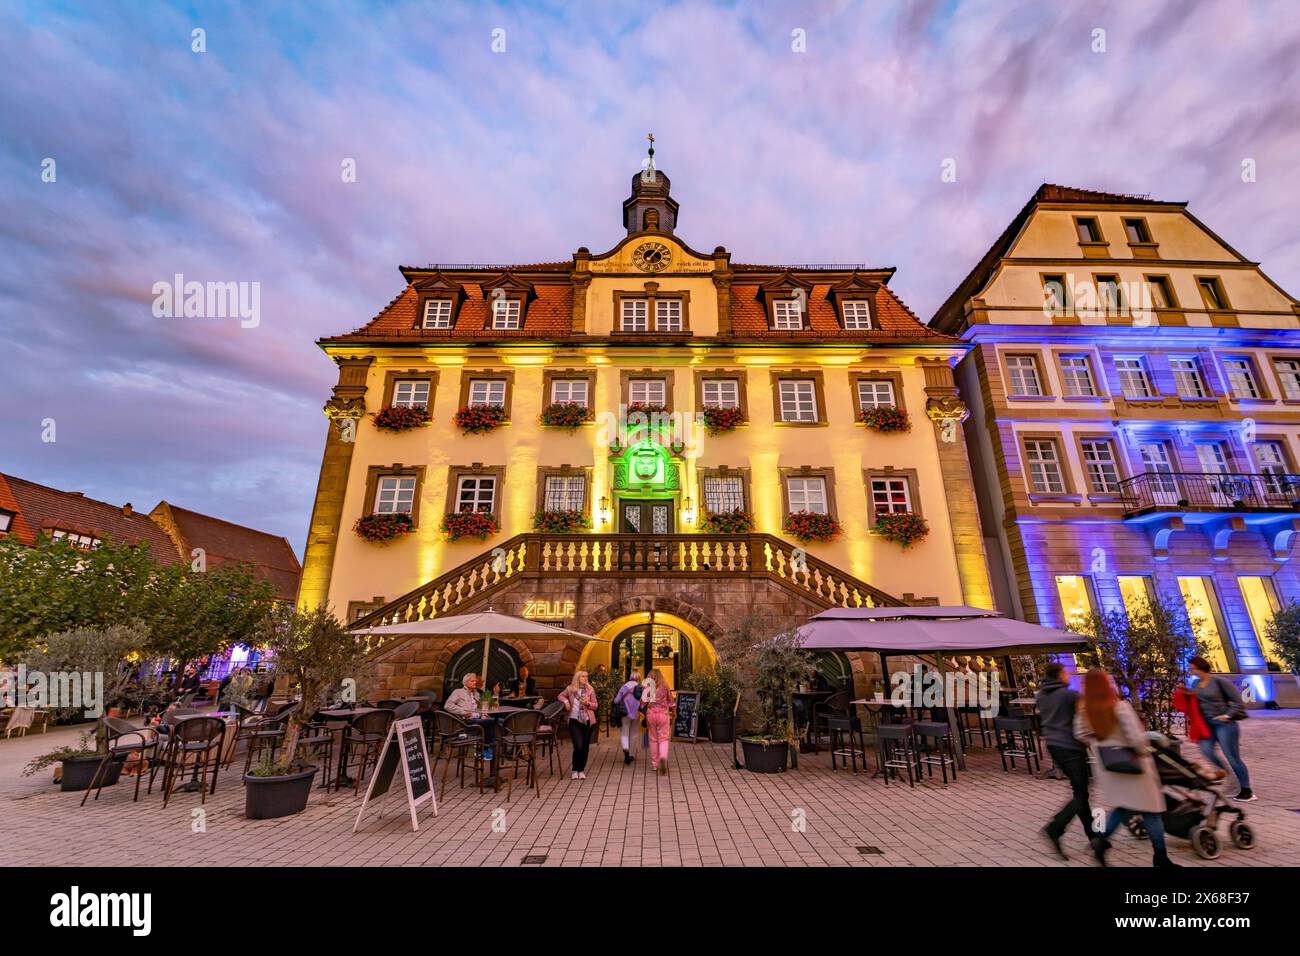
point(1193, 804)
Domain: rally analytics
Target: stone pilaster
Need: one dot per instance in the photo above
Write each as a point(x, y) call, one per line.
point(345, 409)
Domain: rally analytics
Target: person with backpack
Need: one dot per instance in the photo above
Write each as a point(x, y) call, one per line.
point(1221, 707)
point(626, 709)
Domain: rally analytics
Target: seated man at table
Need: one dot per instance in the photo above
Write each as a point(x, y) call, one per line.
point(524, 685)
point(464, 699)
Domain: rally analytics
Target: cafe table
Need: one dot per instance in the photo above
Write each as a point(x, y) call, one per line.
point(345, 714)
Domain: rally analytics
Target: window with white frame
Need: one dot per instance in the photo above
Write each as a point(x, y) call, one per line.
point(411, 393)
point(1187, 376)
point(487, 391)
point(890, 496)
point(505, 313)
point(476, 493)
point(857, 314)
point(6, 519)
point(565, 493)
point(798, 400)
point(807, 494)
point(1270, 459)
point(1288, 373)
point(569, 390)
point(1099, 462)
point(723, 494)
point(668, 315)
point(647, 391)
point(437, 313)
point(875, 393)
point(1023, 377)
point(720, 393)
point(1241, 378)
point(395, 494)
point(1134, 382)
point(83, 541)
point(1076, 376)
point(1044, 464)
point(787, 314)
point(634, 316)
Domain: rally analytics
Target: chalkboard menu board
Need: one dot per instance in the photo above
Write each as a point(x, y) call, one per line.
point(687, 722)
point(405, 745)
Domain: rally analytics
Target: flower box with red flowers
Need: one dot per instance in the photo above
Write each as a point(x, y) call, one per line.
point(901, 527)
point(400, 418)
point(739, 521)
point(566, 415)
point(379, 528)
point(561, 522)
point(480, 525)
point(719, 419)
point(885, 418)
point(477, 419)
point(812, 526)
point(649, 410)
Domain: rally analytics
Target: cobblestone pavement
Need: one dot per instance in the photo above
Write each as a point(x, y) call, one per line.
point(704, 813)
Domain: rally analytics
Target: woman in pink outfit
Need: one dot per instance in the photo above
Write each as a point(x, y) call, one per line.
point(658, 701)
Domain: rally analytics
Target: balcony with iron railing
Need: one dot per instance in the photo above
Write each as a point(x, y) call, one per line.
point(1208, 492)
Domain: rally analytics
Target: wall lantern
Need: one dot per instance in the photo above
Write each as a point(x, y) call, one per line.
point(688, 511)
point(604, 511)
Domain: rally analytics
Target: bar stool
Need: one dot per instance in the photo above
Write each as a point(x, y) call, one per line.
point(1015, 737)
point(936, 749)
point(897, 751)
point(841, 731)
point(974, 725)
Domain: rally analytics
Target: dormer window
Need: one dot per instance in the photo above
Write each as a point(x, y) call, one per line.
point(506, 313)
point(787, 314)
point(437, 314)
point(856, 314)
point(83, 542)
point(6, 519)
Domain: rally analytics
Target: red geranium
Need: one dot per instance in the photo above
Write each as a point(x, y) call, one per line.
point(902, 527)
point(722, 418)
point(398, 418)
point(812, 526)
point(469, 524)
point(568, 415)
point(739, 521)
point(561, 522)
point(379, 528)
point(477, 419)
point(885, 418)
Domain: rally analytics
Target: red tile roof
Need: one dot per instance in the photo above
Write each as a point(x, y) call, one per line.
point(226, 543)
point(893, 320)
point(18, 526)
point(49, 509)
point(549, 315)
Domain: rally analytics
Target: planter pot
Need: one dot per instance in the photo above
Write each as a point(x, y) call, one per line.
point(722, 728)
point(79, 771)
point(763, 757)
point(266, 798)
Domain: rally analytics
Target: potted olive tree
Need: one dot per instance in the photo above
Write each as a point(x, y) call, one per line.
point(313, 651)
point(84, 669)
point(718, 692)
point(766, 663)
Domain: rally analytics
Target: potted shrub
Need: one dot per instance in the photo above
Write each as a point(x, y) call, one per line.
point(459, 525)
point(561, 522)
point(720, 419)
point(77, 765)
point(901, 527)
point(765, 663)
point(718, 692)
point(400, 418)
point(738, 521)
point(885, 418)
point(566, 415)
point(313, 650)
point(812, 526)
point(478, 419)
point(381, 528)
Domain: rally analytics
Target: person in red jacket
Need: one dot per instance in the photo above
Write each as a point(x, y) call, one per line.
point(1197, 730)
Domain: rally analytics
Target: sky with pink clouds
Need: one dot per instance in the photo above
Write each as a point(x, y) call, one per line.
point(225, 165)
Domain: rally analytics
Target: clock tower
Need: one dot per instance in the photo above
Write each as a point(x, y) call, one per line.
point(650, 208)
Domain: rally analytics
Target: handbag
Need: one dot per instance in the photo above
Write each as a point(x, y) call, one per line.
point(1236, 709)
point(1119, 759)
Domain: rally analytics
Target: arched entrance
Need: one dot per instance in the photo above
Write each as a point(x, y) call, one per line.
point(649, 639)
point(503, 665)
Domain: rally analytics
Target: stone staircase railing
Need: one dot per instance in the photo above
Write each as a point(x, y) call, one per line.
point(586, 555)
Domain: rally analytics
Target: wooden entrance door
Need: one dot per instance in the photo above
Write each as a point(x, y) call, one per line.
point(636, 516)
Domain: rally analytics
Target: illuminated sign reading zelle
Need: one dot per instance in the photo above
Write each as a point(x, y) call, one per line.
point(548, 610)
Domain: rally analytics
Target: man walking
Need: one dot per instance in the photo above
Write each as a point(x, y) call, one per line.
point(1056, 703)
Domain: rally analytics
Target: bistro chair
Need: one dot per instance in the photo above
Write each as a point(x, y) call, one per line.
point(519, 735)
point(266, 732)
point(548, 732)
point(193, 744)
point(896, 747)
point(456, 740)
point(366, 731)
point(1015, 737)
point(841, 731)
point(407, 709)
point(935, 748)
point(124, 739)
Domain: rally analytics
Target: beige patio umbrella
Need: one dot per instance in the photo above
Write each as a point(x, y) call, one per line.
point(485, 624)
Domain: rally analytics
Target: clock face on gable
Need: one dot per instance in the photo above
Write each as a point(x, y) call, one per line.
point(652, 257)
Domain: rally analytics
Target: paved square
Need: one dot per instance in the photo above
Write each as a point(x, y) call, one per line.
point(704, 813)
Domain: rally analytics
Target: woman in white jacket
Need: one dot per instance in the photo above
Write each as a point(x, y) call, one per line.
point(1123, 769)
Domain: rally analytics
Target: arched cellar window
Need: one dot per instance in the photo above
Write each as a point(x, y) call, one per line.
point(835, 669)
point(503, 665)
